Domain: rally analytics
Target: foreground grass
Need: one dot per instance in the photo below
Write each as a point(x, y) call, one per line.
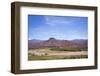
point(31, 57)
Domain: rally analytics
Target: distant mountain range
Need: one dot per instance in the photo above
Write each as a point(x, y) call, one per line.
point(52, 42)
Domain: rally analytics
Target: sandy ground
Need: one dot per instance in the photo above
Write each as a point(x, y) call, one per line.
point(69, 53)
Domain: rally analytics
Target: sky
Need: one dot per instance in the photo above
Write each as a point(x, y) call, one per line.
point(43, 27)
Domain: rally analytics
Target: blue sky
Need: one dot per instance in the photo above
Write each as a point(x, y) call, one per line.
point(43, 27)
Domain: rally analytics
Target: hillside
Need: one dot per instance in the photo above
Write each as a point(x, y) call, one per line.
point(52, 42)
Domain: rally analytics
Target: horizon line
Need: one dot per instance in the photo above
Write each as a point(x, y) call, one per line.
point(61, 39)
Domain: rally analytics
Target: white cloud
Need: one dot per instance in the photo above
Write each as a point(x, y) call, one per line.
point(55, 21)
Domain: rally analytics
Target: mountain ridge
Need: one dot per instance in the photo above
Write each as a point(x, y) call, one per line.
point(52, 42)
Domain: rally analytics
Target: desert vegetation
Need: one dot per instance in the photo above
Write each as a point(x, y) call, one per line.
point(56, 53)
point(69, 49)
